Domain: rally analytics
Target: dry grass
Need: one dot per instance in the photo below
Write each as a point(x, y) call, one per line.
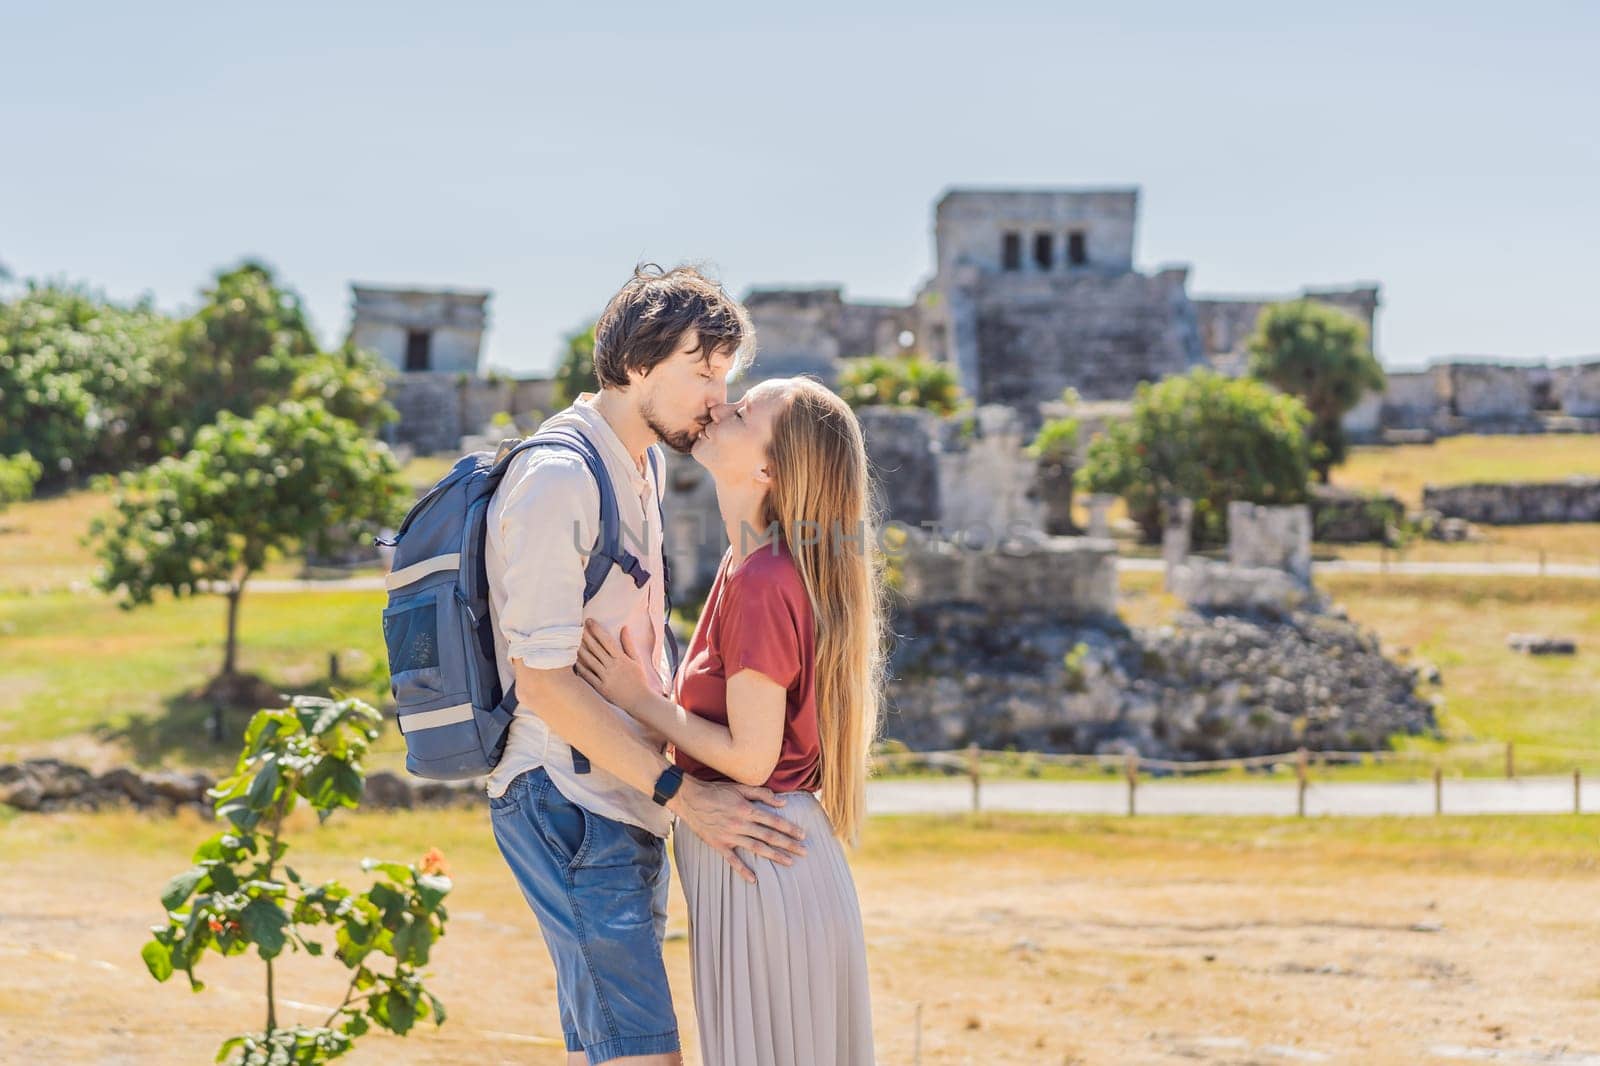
point(1404, 469)
point(1570, 543)
point(1024, 940)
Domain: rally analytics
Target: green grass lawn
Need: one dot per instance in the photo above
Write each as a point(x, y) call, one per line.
point(41, 541)
point(77, 665)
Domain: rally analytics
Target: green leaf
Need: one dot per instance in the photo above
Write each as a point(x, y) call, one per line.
point(432, 889)
point(391, 902)
point(412, 940)
point(401, 1014)
point(438, 1009)
point(181, 887)
point(158, 957)
point(264, 922)
point(265, 785)
point(238, 812)
point(224, 879)
point(227, 1047)
point(397, 871)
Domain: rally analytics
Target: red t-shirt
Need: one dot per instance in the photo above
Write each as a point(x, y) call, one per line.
point(757, 618)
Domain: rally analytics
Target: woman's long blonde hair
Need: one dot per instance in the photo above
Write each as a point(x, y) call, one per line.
point(821, 499)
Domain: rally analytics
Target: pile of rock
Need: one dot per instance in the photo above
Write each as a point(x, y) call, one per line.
point(1207, 687)
point(1541, 644)
point(54, 785)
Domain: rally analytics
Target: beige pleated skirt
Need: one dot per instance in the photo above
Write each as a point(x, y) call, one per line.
point(780, 966)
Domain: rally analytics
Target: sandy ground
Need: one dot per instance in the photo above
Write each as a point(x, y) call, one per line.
point(1016, 940)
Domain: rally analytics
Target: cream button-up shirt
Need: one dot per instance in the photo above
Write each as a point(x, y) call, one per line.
point(542, 523)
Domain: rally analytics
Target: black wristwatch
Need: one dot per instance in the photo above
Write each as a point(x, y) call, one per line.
point(667, 784)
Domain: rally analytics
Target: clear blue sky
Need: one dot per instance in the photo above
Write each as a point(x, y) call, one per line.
point(1450, 151)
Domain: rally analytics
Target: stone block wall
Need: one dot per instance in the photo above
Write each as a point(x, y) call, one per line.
point(1226, 323)
point(1037, 335)
point(1060, 576)
point(808, 331)
point(454, 321)
point(437, 410)
point(988, 484)
point(1488, 393)
point(1518, 503)
point(1578, 388)
point(1275, 537)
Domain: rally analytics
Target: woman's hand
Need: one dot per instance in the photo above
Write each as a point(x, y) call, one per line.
point(614, 670)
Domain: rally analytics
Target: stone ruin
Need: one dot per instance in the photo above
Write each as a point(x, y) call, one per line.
point(1574, 499)
point(1269, 561)
point(1020, 646)
point(1033, 291)
point(1454, 397)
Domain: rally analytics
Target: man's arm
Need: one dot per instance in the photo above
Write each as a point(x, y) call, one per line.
point(746, 749)
point(724, 816)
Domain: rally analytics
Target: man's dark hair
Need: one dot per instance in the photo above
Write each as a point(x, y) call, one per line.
point(645, 322)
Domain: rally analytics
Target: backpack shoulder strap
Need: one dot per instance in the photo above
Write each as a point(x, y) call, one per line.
point(656, 467)
point(608, 550)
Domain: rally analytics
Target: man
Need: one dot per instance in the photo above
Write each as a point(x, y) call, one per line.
point(582, 800)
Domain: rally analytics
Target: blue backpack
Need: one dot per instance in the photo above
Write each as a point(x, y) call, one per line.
point(442, 667)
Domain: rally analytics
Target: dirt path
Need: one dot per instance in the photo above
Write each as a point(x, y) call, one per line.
point(1191, 943)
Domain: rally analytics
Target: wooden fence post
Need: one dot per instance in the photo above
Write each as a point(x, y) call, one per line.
point(1130, 766)
point(333, 666)
point(1541, 562)
point(1300, 759)
point(1438, 789)
point(1577, 790)
point(973, 772)
point(1511, 760)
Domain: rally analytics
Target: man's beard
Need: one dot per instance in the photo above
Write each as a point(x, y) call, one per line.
point(680, 441)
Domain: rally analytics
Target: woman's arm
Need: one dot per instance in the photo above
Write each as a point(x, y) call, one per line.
point(746, 749)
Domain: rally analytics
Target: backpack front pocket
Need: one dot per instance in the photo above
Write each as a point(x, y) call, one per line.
point(411, 631)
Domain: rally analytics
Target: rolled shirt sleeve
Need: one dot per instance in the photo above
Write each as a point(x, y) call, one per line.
point(547, 525)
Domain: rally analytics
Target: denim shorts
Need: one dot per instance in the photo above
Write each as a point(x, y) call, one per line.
point(599, 890)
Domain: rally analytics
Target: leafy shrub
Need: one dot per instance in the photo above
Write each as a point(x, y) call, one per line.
point(900, 381)
point(240, 894)
point(1210, 438)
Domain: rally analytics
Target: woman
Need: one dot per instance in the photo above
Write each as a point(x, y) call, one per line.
point(780, 687)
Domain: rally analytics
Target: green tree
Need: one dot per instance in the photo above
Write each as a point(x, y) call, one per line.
point(240, 894)
point(18, 475)
point(86, 385)
point(246, 345)
point(575, 374)
point(351, 383)
point(1320, 354)
point(909, 380)
point(249, 490)
point(1207, 437)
